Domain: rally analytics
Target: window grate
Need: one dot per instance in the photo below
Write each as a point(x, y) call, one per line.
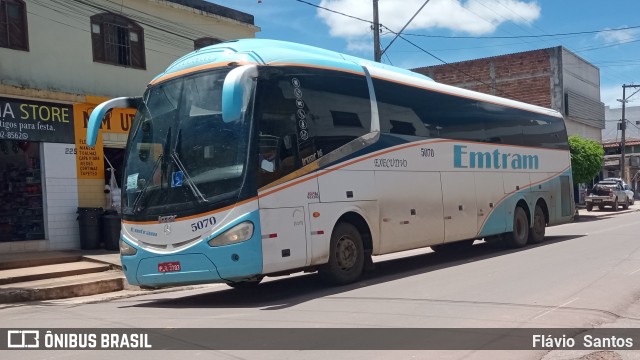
point(117, 46)
point(117, 40)
point(13, 25)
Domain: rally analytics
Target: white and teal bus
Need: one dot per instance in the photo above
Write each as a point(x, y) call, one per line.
point(255, 158)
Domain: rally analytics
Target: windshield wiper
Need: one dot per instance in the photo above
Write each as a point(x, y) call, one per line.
point(160, 160)
point(192, 185)
point(146, 184)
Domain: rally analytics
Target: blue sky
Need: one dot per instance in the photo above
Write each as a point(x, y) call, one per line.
point(616, 53)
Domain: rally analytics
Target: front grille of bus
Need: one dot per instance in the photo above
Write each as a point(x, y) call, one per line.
point(171, 247)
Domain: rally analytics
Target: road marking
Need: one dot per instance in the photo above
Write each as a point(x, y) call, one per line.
point(631, 273)
point(555, 308)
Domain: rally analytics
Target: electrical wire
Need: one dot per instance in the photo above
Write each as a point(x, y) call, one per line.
point(476, 37)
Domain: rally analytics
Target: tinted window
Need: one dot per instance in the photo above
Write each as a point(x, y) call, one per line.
point(407, 110)
point(305, 114)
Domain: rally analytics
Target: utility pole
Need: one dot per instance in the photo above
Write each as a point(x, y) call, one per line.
point(377, 55)
point(623, 126)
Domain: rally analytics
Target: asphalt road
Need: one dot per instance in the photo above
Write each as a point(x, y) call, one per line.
point(585, 275)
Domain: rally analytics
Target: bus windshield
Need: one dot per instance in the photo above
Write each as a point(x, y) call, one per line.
point(181, 156)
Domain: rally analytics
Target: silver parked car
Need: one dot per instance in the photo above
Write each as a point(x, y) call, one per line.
point(627, 189)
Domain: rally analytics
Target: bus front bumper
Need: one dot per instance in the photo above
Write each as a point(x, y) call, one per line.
point(198, 264)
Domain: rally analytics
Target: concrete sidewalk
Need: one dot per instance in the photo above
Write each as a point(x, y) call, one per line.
point(34, 276)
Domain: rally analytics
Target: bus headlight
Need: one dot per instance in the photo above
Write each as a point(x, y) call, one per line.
point(126, 249)
point(238, 233)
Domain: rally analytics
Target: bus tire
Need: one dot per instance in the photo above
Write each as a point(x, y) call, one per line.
point(536, 233)
point(589, 207)
point(346, 256)
point(518, 237)
point(450, 248)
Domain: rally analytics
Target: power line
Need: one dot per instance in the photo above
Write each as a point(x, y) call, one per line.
point(405, 25)
point(587, 32)
point(334, 11)
point(578, 33)
point(87, 31)
point(410, 42)
point(524, 36)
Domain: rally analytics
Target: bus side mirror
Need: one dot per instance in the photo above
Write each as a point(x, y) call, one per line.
point(236, 92)
point(97, 115)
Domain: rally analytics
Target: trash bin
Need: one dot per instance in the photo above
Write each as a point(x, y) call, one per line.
point(111, 230)
point(89, 222)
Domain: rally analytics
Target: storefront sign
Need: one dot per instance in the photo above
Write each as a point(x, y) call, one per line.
point(29, 120)
point(90, 160)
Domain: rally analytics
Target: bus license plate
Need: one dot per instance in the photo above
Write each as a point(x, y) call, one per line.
point(172, 266)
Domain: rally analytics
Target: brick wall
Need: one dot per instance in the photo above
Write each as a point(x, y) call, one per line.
point(523, 76)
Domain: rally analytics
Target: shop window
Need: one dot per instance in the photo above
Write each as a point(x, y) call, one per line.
point(205, 41)
point(13, 25)
point(21, 212)
point(117, 40)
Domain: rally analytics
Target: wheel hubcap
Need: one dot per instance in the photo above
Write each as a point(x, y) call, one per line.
point(346, 253)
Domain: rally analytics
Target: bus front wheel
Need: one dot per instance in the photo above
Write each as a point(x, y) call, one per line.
point(346, 256)
point(520, 234)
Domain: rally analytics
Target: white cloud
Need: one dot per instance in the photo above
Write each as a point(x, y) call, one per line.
point(474, 17)
point(360, 46)
point(620, 36)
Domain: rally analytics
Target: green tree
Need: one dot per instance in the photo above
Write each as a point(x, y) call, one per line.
point(586, 158)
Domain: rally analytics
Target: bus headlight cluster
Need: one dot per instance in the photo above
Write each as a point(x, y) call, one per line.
point(238, 233)
point(126, 249)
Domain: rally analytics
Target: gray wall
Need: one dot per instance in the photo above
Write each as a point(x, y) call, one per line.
point(613, 116)
point(581, 87)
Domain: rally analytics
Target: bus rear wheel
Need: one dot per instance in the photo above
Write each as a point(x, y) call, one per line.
point(520, 234)
point(536, 233)
point(346, 256)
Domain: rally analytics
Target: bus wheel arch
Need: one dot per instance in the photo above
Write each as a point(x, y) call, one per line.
point(349, 250)
point(361, 224)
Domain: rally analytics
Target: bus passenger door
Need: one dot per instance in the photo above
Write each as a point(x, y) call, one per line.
point(489, 192)
point(459, 203)
point(284, 234)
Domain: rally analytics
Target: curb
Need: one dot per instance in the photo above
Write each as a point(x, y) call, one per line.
point(62, 292)
point(68, 287)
